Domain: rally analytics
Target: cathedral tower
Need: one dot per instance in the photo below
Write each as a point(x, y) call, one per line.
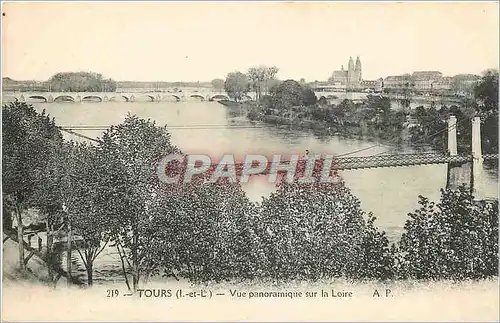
point(350, 71)
point(357, 71)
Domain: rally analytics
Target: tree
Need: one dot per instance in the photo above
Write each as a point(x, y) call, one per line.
point(260, 76)
point(269, 77)
point(88, 196)
point(236, 85)
point(486, 92)
point(287, 94)
point(315, 231)
point(456, 238)
point(131, 152)
point(29, 139)
point(308, 96)
point(208, 233)
point(218, 84)
point(81, 82)
point(48, 198)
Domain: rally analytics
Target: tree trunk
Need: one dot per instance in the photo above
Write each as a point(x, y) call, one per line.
point(135, 279)
point(7, 220)
point(20, 238)
point(50, 255)
point(123, 266)
point(68, 254)
point(135, 269)
point(89, 272)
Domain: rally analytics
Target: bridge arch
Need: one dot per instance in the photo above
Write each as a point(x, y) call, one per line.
point(119, 98)
point(143, 97)
point(92, 98)
point(37, 97)
point(219, 97)
point(64, 98)
point(169, 97)
point(197, 96)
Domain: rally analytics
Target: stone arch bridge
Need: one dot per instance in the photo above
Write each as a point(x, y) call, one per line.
point(137, 96)
point(118, 96)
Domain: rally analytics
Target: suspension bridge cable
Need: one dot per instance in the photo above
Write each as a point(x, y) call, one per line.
point(69, 129)
point(174, 127)
point(270, 163)
point(357, 151)
point(448, 128)
point(78, 134)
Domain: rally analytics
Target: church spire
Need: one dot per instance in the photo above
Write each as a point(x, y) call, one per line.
point(358, 64)
point(351, 64)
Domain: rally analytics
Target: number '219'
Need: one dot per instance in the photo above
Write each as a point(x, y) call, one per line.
point(112, 293)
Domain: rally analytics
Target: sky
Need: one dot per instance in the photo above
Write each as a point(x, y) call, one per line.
point(160, 41)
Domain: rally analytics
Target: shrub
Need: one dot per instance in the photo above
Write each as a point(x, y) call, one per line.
point(457, 238)
point(314, 231)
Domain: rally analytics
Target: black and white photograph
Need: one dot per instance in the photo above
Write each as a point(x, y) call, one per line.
point(250, 161)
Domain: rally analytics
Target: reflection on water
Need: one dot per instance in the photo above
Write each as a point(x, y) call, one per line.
point(390, 193)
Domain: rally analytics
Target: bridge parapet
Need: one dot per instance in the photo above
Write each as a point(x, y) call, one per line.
point(115, 96)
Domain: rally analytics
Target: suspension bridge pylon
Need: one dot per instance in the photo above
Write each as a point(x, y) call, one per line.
point(467, 172)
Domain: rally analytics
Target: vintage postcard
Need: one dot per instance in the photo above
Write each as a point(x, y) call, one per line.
point(250, 161)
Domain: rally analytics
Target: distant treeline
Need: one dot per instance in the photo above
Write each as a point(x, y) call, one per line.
point(89, 82)
point(160, 85)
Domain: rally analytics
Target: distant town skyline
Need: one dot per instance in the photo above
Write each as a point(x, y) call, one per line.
point(186, 42)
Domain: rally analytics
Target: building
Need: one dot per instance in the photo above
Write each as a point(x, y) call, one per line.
point(464, 84)
point(423, 80)
point(398, 82)
point(442, 85)
point(350, 78)
point(371, 86)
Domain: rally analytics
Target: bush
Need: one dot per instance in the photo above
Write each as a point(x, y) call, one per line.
point(312, 231)
point(457, 238)
point(208, 233)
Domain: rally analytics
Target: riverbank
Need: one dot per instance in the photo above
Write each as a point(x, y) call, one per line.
point(319, 127)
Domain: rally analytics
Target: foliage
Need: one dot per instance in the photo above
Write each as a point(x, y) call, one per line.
point(486, 92)
point(260, 77)
point(428, 123)
point(314, 231)
point(211, 231)
point(456, 238)
point(87, 197)
point(236, 85)
point(218, 84)
point(30, 140)
point(208, 233)
point(81, 82)
point(287, 94)
point(308, 96)
point(133, 149)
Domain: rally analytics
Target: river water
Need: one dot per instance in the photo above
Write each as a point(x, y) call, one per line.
point(390, 193)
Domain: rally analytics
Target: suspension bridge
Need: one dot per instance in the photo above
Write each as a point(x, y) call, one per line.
point(461, 169)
